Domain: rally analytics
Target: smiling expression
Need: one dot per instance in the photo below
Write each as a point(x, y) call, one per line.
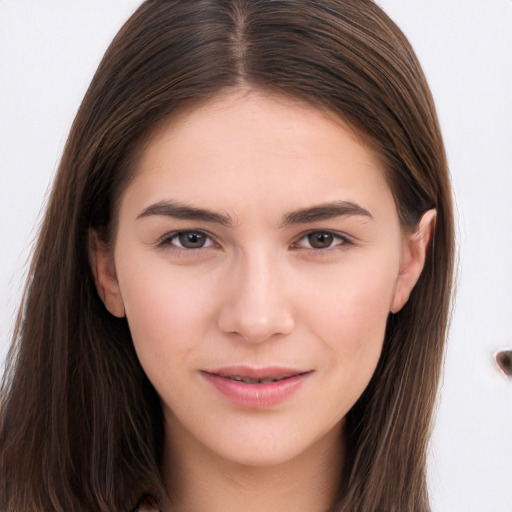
point(257, 257)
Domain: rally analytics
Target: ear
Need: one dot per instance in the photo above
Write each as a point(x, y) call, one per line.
point(414, 250)
point(101, 260)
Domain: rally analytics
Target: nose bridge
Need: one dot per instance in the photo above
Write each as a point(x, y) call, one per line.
point(256, 307)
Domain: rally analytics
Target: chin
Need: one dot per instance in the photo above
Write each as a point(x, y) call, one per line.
point(264, 444)
point(261, 456)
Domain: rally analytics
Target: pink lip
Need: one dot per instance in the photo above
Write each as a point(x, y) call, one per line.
point(256, 394)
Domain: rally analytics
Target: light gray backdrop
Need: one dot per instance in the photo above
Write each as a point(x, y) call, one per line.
point(49, 50)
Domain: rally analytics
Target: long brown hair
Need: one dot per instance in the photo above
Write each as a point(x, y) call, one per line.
point(81, 426)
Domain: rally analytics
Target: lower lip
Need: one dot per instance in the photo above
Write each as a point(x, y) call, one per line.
point(256, 395)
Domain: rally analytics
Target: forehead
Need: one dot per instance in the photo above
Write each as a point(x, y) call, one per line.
point(247, 149)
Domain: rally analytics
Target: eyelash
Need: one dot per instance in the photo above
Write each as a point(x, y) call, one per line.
point(167, 240)
point(339, 241)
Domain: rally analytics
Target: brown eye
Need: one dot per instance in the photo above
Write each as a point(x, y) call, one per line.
point(320, 239)
point(192, 239)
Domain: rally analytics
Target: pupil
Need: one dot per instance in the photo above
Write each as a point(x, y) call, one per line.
point(192, 240)
point(320, 240)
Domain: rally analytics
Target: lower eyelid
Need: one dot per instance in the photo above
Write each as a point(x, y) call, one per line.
point(338, 239)
point(167, 240)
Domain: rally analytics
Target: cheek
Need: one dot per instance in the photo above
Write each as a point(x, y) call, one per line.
point(168, 309)
point(351, 321)
point(349, 309)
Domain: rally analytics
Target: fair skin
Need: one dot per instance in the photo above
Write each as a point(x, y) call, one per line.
point(288, 271)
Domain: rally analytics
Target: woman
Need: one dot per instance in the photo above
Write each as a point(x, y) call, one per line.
point(240, 292)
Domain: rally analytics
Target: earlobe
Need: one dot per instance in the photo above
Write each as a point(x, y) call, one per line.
point(414, 253)
point(103, 268)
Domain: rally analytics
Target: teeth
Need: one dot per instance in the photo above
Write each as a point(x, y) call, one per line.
point(247, 380)
point(276, 379)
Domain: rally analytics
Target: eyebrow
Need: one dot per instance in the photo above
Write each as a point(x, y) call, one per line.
point(302, 216)
point(324, 212)
point(185, 212)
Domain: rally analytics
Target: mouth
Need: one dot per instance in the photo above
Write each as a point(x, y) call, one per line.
point(267, 380)
point(250, 387)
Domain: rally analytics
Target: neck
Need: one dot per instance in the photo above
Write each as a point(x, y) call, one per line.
point(200, 480)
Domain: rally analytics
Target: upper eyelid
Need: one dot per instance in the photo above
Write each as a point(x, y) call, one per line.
point(171, 234)
point(175, 232)
point(335, 233)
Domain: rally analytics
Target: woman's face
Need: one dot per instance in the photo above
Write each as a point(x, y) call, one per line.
point(257, 257)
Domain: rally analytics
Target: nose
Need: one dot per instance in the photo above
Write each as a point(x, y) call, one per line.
point(255, 307)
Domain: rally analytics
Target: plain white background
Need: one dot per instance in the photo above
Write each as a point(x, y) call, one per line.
point(49, 50)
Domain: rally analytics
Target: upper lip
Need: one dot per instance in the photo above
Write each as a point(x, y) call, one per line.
point(249, 372)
